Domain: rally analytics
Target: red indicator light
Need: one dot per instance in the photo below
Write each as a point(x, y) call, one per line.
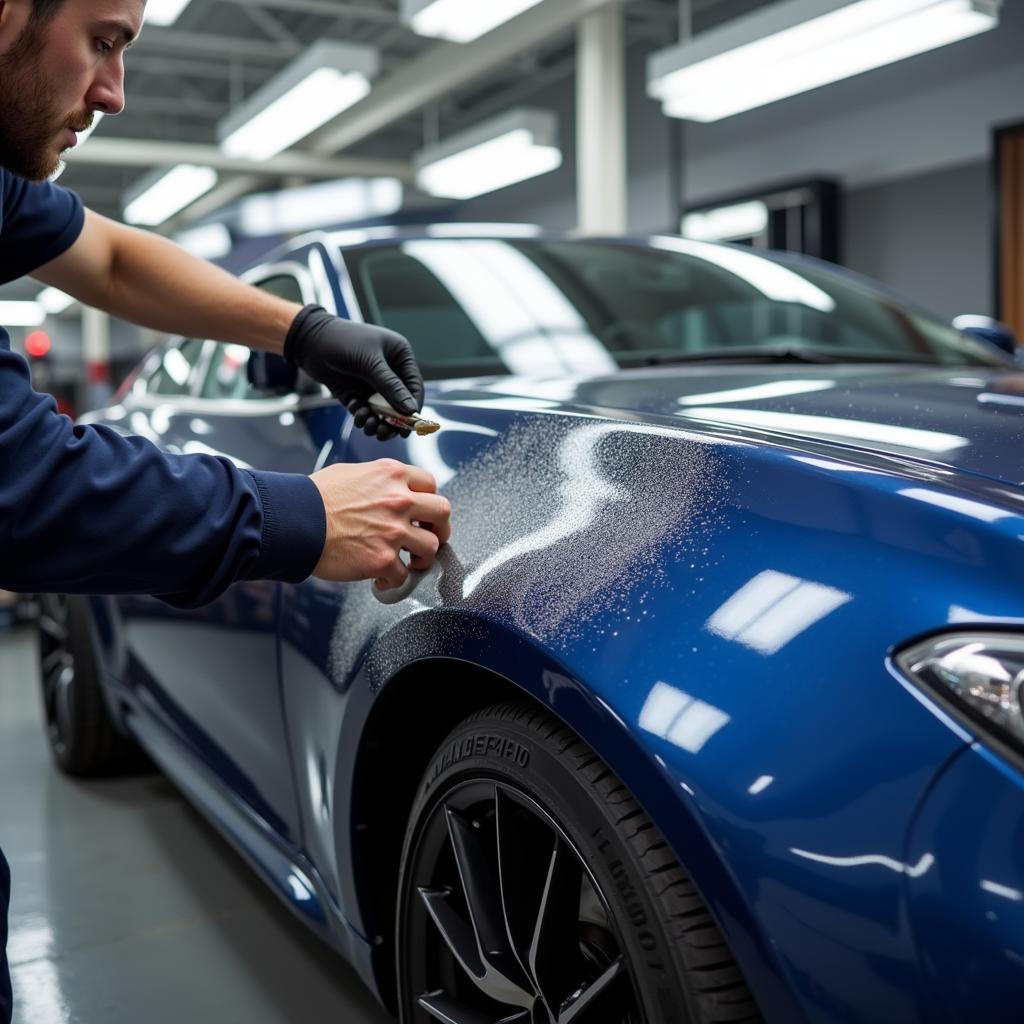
point(38, 344)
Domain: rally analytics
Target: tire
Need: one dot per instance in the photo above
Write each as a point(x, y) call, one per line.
point(84, 741)
point(521, 842)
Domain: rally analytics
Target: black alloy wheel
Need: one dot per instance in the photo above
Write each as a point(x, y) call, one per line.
point(534, 890)
point(525, 934)
point(56, 669)
point(83, 739)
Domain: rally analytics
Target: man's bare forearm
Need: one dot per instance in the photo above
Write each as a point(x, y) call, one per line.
point(145, 279)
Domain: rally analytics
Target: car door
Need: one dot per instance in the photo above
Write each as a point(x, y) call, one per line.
point(211, 675)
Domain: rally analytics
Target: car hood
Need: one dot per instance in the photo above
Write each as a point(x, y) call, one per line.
point(965, 418)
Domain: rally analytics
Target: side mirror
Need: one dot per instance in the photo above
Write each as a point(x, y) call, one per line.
point(987, 329)
point(272, 374)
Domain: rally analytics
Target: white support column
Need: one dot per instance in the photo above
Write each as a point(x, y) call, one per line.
point(96, 350)
point(601, 122)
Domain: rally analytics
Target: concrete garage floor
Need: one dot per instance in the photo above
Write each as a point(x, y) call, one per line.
point(128, 907)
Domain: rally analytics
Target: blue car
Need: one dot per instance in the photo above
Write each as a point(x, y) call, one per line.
point(710, 711)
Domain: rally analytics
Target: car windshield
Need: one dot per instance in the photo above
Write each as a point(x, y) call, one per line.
point(484, 306)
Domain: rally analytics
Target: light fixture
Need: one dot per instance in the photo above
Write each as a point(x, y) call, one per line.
point(159, 196)
point(21, 314)
point(460, 21)
point(320, 206)
point(164, 12)
point(327, 79)
point(208, 241)
point(54, 301)
point(513, 147)
point(724, 223)
point(798, 45)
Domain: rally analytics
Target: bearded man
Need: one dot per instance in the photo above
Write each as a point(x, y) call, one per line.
point(85, 510)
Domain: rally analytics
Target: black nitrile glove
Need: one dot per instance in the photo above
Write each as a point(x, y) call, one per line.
point(355, 361)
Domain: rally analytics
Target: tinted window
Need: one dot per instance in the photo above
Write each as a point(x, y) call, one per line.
point(227, 376)
point(479, 306)
point(177, 368)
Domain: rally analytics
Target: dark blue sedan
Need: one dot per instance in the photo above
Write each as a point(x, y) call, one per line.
point(711, 710)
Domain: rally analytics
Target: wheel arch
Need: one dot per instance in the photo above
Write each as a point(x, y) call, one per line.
point(408, 717)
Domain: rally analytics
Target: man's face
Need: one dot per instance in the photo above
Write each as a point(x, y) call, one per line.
point(55, 76)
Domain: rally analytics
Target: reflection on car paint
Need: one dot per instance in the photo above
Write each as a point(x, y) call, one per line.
point(772, 609)
point(683, 720)
point(923, 865)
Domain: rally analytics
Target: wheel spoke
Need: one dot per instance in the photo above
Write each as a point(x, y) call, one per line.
point(456, 933)
point(554, 950)
point(441, 1007)
point(479, 885)
point(520, 883)
point(57, 656)
point(62, 698)
point(51, 627)
point(59, 676)
point(580, 1004)
point(503, 978)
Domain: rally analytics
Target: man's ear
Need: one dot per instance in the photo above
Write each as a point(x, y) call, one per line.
point(14, 19)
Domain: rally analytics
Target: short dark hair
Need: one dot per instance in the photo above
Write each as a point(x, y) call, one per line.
point(44, 10)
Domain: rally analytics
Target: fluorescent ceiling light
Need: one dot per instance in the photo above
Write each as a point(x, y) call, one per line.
point(798, 45)
point(320, 206)
point(743, 220)
point(314, 89)
point(160, 197)
point(508, 149)
point(208, 242)
point(164, 12)
point(460, 21)
point(54, 301)
point(21, 314)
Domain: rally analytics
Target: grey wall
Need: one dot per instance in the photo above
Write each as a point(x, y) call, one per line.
point(928, 236)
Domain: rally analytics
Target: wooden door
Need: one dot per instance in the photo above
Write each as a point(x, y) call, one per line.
point(1009, 167)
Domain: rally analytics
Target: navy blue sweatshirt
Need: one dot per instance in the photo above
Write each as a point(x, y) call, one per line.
point(85, 510)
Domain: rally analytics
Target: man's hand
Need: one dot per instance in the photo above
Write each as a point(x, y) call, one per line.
point(376, 510)
point(354, 361)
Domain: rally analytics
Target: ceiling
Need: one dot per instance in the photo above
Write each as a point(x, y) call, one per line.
point(182, 80)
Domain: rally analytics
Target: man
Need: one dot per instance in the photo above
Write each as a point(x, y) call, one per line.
point(85, 510)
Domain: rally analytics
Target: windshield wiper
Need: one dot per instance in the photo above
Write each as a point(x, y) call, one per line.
point(782, 354)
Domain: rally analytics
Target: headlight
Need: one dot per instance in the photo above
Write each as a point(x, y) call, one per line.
point(978, 677)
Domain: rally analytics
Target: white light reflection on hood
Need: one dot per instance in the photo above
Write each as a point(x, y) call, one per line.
point(831, 427)
point(759, 392)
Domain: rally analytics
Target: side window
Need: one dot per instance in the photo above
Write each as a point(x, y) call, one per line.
point(177, 369)
point(402, 293)
point(228, 376)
